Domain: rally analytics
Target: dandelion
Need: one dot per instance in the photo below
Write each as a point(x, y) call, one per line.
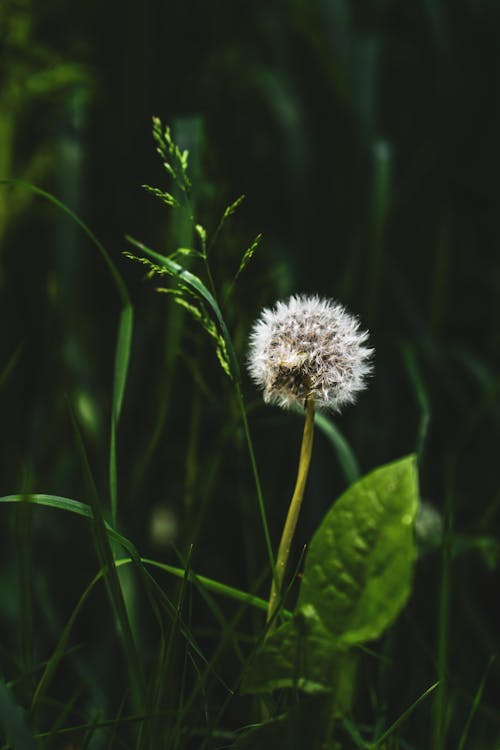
point(309, 347)
point(307, 352)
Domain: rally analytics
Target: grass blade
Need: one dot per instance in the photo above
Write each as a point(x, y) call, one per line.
point(13, 722)
point(475, 705)
point(85, 511)
point(11, 364)
point(346, 457)
point(124, 331)
point(421, 395)
point(194, 283)
point(401, 719)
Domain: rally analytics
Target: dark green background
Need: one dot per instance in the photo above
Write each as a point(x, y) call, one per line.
point(365, 137)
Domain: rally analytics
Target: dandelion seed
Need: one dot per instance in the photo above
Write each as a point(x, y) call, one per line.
point(308, 346)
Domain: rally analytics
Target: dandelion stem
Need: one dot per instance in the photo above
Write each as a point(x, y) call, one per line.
point(293, 511)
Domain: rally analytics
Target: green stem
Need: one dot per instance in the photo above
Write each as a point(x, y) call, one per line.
point(260, 498)
point(293, 511)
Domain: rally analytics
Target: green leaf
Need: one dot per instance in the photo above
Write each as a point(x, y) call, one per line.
point(306, 724)
point(122, 358)
point(82, 509)
point(346, 457)
point(124, 336)
point(359, 567)
point(302, 654)
point(357, 578)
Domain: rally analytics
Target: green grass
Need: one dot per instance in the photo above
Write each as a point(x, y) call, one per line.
point(143, 483)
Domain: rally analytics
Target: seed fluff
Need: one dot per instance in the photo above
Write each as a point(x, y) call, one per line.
point(309, 346)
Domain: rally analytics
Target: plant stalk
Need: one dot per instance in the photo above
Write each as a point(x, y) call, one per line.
point(293, 512)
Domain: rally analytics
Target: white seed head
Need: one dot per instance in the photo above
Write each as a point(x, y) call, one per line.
point(308, 346)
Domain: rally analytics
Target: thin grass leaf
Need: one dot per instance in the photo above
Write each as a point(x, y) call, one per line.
point(422, 397)
point(401, 719)
point(197, 285)
point(199, 288)
point(95, 725)
point(66, 711)
point(24, 554)
point(119, 283)
point(122, 358)
point(85, 511)
point(475, 705)
point(13, 721)
point(106, 556)
point(11, 365)
point(124, 336)
point(345, 455)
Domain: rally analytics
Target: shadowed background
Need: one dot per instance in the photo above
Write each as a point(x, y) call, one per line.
point(365, 138)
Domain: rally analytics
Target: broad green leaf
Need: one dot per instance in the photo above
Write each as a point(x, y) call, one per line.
point(119, 283)
point(357, 578)
point(304, 725)
point(303, 654)
point(359, 566)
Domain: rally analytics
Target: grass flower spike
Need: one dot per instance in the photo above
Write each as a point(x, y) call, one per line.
point(308, 346)
point(306, 352)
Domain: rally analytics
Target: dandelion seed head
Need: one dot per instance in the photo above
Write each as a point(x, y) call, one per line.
point(309, 346)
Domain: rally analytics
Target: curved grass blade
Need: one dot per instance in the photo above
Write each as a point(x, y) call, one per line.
point(114, 589)
point(345, 455)
point(120, 284)
point(422, 397)
point(122, 358)
point(13, 722)
point(199, 288)
point(475, 705)
point(204, 583)
point(401, 719)
point(124, 337)
point(85, 511)
point(11, 364)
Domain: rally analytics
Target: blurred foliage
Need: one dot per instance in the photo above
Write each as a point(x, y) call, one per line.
point(364, 136)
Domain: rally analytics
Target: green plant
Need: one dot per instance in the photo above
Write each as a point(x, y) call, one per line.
point(303, 663)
